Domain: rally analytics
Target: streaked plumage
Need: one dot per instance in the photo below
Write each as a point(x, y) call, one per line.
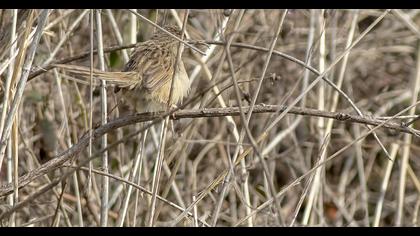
point(145, 81)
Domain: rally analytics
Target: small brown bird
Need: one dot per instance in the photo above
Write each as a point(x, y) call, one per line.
point(145, 81)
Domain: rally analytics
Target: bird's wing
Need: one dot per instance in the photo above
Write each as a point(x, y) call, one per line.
point(154, 64)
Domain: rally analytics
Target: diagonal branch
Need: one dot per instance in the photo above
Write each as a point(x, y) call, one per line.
point(62, 158)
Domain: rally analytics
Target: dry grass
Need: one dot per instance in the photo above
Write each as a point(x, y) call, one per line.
point(348, 157)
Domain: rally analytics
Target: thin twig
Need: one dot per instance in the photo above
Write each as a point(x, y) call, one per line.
point(104, 112)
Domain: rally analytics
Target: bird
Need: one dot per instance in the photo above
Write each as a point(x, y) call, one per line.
point(146, 79)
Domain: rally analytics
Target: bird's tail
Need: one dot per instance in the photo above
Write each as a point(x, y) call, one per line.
point(122, 79)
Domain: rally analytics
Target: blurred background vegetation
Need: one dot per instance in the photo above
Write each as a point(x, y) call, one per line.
point(372, 56)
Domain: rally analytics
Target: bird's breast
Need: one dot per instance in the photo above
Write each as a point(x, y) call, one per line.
point(180, 90)
point(156, 100)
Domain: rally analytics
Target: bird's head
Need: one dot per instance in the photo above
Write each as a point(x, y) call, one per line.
point(162, 35)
